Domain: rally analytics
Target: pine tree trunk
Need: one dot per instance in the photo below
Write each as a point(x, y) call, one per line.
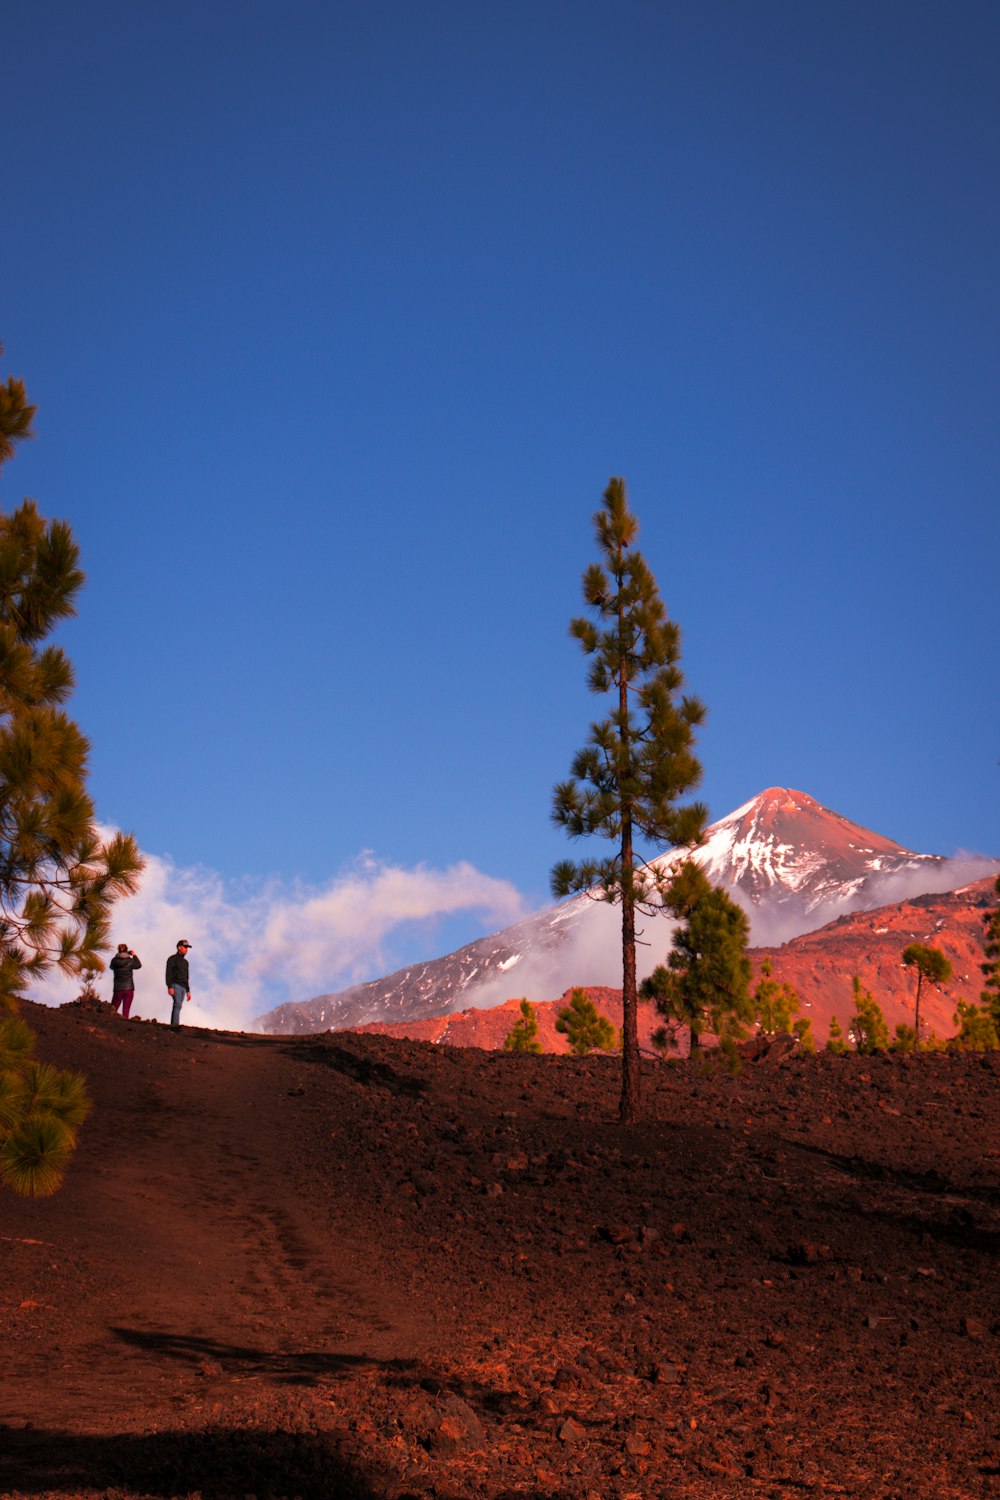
point(916, 1007)
point(628, 1109)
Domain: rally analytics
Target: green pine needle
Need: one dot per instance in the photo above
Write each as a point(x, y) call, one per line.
point(34, 1158)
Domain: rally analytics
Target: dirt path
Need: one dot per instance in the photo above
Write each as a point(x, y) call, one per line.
point(184, 1268)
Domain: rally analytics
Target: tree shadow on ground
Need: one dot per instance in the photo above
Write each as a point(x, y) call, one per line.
point(284, 1367)
point(364, 1070)
point(217, 1463)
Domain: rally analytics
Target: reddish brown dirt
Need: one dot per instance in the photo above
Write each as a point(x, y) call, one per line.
point(355, 1266)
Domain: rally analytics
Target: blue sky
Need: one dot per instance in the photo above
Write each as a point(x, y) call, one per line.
point(340, 317)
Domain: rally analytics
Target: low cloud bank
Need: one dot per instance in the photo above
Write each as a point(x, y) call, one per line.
point(256, 945)
point(590, 954)
point(591, 951)
point(259, 944)
point(770, 927)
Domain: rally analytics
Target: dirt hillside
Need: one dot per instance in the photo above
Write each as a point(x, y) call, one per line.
point(356, 1266)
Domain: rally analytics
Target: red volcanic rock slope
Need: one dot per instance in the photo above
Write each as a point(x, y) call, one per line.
point(819, 965)
point(490, 1028)
point(870, 944)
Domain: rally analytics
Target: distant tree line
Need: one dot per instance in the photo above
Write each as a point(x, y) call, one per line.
point(703, 989)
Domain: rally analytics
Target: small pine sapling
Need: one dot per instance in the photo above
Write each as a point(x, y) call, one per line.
point(905, 1039)
point(88, 988)
point(977, 1030)
point(990, 997)
point(584, 1027)
point(868, 1024)
point(802, 1031)
point(835, 1042)
point(775, 1004)
point(523, 1035)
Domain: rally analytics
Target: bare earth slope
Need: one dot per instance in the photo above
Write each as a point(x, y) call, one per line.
point(355, 1266)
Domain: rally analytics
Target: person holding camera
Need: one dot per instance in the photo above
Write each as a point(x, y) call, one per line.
point(123, 966)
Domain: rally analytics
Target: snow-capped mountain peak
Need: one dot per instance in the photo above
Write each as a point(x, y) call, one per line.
point(791, 863)
point(784, 845)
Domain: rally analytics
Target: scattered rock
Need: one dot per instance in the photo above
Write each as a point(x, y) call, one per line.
point(454, 1428)
point(637, 1446)
point(571, 1431)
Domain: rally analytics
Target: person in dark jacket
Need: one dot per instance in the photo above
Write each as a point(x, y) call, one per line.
point(178, 980)
point(122, 984)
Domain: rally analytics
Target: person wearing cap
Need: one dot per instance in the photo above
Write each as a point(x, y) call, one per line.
point(178, 980)
point(122, 983)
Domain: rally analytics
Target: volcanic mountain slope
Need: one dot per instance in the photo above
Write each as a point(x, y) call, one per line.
point(819, 965)
point(870, 944)
point(792, 863)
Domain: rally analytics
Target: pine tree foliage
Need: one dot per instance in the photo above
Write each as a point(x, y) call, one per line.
point(41, 1110)
point(990, 997)
point(802, 1031)
point(905, 1039)
point(523, 1035)
point(584, 1027)
point(58, 880)
point(835, 1041)
point(775, 1004)
point(16, 415)
point(930, 964)
point(627, 783)
point(705, 983)
point(869, 1027)
point(977, 1030)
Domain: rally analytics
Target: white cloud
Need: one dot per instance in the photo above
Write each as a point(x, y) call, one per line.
point(258, 944)
point(591, 951)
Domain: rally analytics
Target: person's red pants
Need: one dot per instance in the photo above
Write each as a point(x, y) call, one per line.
point(123, 998)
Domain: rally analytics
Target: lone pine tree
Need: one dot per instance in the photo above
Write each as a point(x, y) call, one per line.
point(638, 762)
point(930, 964)
point(57, 879)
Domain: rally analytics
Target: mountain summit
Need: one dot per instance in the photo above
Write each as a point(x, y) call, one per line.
point(791, 863)
point(784, 849)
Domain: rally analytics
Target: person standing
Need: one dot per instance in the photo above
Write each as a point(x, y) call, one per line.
point(178, 980)
point(122, 984)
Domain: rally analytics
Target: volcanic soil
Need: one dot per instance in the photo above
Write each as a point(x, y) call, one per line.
point(349, 1265)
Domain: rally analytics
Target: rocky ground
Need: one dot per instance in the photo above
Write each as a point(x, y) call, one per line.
point(358, 1266)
